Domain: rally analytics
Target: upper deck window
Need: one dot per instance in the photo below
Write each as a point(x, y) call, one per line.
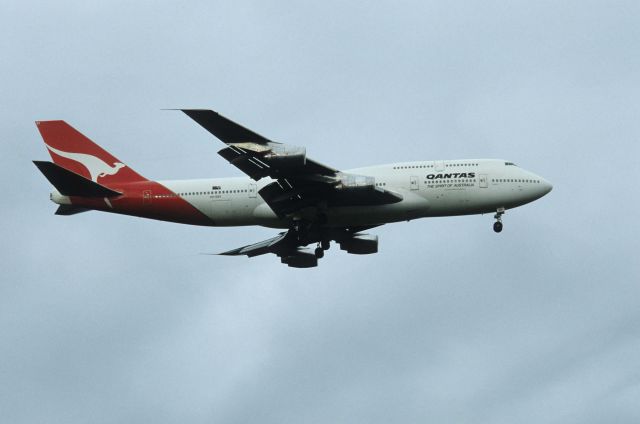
point(510, 164)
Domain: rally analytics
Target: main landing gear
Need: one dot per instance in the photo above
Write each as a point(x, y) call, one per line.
point(306, 232)
point(497, 226)
point(322, 246)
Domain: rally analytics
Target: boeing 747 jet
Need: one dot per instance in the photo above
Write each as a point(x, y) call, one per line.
point(314, 203)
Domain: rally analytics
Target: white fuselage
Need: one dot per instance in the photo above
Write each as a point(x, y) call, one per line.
point(428, 188)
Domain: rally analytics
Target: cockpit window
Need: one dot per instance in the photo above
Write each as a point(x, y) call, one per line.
point(510, 164)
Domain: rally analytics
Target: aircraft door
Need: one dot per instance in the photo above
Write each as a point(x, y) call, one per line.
point(483, 180)
point(439, 165)
point(146, 197)
point(252, 190)
point(414, 182)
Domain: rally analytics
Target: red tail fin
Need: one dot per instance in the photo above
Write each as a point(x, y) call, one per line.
point(75, 152)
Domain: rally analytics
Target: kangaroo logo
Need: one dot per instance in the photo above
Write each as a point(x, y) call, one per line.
point(97, 167)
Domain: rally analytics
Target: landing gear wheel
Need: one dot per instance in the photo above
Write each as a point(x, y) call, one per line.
point(319, 252)
point(497, 226)
point(325, 244)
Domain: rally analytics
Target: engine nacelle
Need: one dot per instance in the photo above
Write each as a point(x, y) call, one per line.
point(301, 258)
point(360, 244)
point(286, 156)
point(354, 182)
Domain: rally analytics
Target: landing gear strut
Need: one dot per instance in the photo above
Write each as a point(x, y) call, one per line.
point(322, 246)
point(298, 227)
point(497, 226)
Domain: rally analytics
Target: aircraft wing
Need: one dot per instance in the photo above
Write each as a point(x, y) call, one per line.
point(284, 246)
point(300, 181)
point(271, 245)
point(254, 154)
point(290, 246)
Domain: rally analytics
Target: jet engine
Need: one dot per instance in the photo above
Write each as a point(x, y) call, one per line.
point(360, 244)
point(286, 156)
point(300, 258)
point(353, 182)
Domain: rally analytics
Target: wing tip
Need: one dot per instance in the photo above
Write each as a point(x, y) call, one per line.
point(234, 252)
point(227, 253)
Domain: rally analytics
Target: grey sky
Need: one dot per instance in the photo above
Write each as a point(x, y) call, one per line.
point(113, 319)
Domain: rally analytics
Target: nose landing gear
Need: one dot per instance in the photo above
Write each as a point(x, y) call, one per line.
point(497, 226)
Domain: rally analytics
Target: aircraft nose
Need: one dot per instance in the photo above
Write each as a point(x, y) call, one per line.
point(546, 186)
point(543, 188)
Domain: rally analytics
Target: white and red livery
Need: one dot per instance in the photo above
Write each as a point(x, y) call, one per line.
point(283, 189)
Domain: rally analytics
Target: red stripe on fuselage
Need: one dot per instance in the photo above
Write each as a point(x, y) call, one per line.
point(147, 199)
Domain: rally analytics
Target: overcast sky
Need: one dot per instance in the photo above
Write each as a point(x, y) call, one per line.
point(112, 319)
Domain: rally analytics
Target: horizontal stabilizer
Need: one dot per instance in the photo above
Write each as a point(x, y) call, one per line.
point(70, 210)
point(69, 183)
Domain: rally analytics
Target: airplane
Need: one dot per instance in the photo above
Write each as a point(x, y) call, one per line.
point(284, 189)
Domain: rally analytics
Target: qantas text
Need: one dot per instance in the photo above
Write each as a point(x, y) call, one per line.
point(449, 176)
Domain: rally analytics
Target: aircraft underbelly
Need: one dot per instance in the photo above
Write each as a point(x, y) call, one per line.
point(412, 206)
point(473, 201)
point(232, 212)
